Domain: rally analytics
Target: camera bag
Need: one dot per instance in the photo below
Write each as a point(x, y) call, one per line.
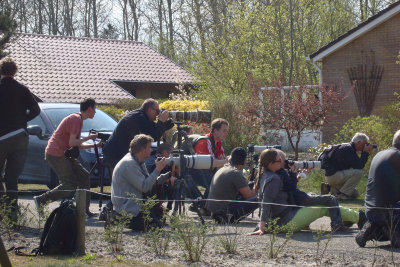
point(326, 155)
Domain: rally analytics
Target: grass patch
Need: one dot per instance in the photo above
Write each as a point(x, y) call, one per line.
point(42, 187)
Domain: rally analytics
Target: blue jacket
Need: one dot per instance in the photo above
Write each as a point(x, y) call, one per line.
point(295, 196)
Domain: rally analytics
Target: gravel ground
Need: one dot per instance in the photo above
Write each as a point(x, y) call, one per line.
point(252, 250)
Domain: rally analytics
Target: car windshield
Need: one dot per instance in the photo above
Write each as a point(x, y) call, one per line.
point(101, 121)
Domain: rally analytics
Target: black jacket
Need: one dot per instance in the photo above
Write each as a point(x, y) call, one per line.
point(135, 122)
point(17, 106)
point(344, 158)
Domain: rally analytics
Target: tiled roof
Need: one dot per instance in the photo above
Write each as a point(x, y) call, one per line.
point(69, 69)
point(366, 23)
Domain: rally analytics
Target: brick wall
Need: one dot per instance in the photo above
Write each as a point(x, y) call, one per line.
point(384, 41)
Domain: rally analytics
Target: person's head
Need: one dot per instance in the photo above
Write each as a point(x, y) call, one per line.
point(151, 108)
point(188, 129)
point(396, 139)
point(219, 129)
point(359, 140)
point(8, 68)
point(164, 150)
point(283, 157)
point(270, 160)
point(238, 156)
point(88, 106)
point(140, 146)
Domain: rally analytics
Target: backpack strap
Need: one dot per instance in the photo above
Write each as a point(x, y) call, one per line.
point(18, 251)
point(46, 229)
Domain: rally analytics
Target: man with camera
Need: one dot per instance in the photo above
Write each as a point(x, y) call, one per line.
point(131, 178)
point(297, 197)
point(226, 184)
point(211, 144)
point(344, 170)
point(382, 197)
point(17, 107)
point(62, 152)
point(139, 121)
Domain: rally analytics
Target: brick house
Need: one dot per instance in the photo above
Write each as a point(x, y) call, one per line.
point(69, 69)
point(375, 42)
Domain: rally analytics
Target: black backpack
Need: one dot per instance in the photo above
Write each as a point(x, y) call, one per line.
point(60, 231)
point(188, 148)
point(326, 156)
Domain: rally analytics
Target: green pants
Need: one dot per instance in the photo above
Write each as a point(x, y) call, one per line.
point(305, 216)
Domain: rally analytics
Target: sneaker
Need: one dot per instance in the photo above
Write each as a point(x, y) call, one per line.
point(340, 228)
point(37, 201)
point(325, 188)
point(365, 234)
point(361, 219)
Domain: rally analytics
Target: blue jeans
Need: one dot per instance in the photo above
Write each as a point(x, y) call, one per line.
point(386, 218)
point(240, 210)
point(12, 160)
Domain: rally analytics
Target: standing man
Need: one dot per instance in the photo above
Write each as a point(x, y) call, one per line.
point(70, 172)
point(382, 198)
point(211, 144)
point(345, 168)
point(227, 183)
point(17, 107)
point(139, 121)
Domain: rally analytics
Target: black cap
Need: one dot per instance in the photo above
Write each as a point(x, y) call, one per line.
point(238, 156)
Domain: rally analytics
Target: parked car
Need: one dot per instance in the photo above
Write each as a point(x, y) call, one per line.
point(36, 169)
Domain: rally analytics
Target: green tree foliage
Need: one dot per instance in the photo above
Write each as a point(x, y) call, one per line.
point(7, 26)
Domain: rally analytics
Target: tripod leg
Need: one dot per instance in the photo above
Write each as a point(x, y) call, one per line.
point(101, 176)
point(178, 196)
point(191, 195)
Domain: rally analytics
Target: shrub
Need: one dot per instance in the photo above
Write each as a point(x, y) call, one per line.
point(113, 111)
point(185, 105)
point(129, 104)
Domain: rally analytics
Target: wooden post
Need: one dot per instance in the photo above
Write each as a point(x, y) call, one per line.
point(81, 221)
point(4, 260)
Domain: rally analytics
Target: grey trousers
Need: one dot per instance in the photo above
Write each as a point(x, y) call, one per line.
point(72, 175)
point(345, 181)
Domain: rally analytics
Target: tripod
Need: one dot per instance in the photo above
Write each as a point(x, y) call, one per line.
point(181, 184)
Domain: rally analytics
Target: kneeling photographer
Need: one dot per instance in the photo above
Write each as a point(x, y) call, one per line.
point(226, 184)
point(131, 178)
point(301, 198)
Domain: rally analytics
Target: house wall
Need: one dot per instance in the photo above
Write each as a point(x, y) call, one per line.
point(384, 41)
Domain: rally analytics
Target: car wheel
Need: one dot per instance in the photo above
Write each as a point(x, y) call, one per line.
point(53, 180)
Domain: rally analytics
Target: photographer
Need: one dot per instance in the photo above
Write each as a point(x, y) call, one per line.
point(62, 152)
point(345, 168)
point(130, 177)
point(226, 184)
point(139, 121)
point(298, 197)
point(17, 107)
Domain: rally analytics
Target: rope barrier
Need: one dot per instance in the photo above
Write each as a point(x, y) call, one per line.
point(202, 200)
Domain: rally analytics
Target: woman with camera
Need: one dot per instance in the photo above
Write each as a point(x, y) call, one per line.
point(271, 191)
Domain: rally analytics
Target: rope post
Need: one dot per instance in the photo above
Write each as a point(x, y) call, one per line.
point(4, 260)
point(81, 221)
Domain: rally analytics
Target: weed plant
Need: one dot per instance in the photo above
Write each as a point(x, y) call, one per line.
point(8, 217)
point(228, 240)
point(191, 236)
point(113, 232)
point(159, 240)
point(322, 247)
point(275, 247)
point(40, 216)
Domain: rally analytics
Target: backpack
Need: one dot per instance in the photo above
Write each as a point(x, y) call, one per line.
point(188, 147)
point(326, 156)
point(60, 231)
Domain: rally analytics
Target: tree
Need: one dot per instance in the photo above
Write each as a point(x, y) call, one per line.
point(110, 32)
point(293, 109)
point(7, 27)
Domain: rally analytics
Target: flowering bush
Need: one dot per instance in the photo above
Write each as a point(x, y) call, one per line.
point(199, 128)
point(184, 105)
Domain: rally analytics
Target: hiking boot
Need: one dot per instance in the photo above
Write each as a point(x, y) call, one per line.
point(340, 228)
point(361, 219)
point(367, 233)
point(90, 214)
point(325, 188)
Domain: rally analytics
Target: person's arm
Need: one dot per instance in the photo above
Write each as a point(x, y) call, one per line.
point(354, 161)
point(289, 184)
point(31, 105)
point(247, 193)
point(73, 141)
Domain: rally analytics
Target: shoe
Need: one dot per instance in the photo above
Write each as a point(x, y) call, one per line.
point(367, 233)
point(91, 214)
point(325, 188)
point(103, 214)
point(341, 196)
point(361, 219)
point(340, 228)
point(193, 208)
point(348, 224)
point(204, 212)
point(37, 201)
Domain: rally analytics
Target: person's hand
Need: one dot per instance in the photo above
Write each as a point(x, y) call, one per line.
point(172, 180)
point(368, 147)
point(99, 144)
point(92, 136)
point(293, 168)
point(163, 117)
point(258, 232)
point(160, 164)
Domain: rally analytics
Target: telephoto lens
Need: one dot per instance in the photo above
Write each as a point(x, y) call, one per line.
point(258, 149)
point(202, 116)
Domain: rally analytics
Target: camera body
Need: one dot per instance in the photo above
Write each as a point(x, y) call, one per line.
point(303, 164)
point(102, 136)
point(373, 145)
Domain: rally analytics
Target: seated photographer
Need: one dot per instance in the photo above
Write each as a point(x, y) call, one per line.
point(383, 190)
point(62, 152)
point(226, 184)
point(345, 168)
point(139, 121)
point(301, 198)
point(211, 144)
point(271, 190)
point(130, 178)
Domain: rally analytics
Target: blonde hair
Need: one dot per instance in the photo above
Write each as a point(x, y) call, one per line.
point(267, 156)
